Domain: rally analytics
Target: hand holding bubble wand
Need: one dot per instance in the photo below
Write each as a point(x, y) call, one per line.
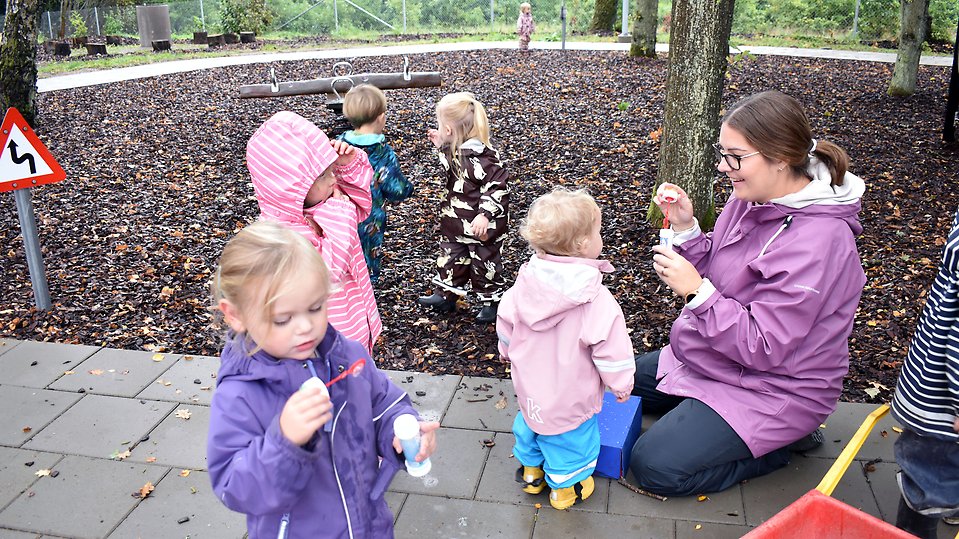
point(315, 381)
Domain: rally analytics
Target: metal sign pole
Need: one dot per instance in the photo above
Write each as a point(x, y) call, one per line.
point(31, 243)
point(562, 18)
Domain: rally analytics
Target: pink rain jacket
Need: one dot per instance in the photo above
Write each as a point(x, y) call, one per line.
point(566, 339)
point(767, 347)
point(285, 156)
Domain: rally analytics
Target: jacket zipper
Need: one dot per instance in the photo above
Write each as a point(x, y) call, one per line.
point(284, 524)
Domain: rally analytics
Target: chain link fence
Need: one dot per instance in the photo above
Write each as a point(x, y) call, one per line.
point(865, 19)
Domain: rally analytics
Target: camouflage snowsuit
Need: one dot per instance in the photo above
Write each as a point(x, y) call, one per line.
point(479, 185)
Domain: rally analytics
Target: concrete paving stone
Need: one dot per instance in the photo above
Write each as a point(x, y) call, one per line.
point(16, 476)
point(100, 425)
point(430, 517)
point(29, 408)
point(709, 530)
point(177, 442)
point(765, 496)
point(431, 395)
point(721, 507)
point(883, 484)
point(551, 523)
point(498, 483)
point(92, 495)
point(182, 377)
point(175, 498)
point(843, 424)
point(395, 500)
point(122, 373)
point(482, 413)
point(39, 364)
point(457, 464)
point(8, 344)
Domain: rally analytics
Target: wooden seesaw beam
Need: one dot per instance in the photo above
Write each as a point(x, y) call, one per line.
point(383, 81)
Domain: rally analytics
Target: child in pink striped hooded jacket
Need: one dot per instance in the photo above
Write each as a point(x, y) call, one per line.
point(321, 189)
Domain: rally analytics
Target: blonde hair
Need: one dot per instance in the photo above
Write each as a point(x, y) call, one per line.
point(264, 256)
point(466, 118)
point(525, 5)
point(557, 222)
point(363, 104)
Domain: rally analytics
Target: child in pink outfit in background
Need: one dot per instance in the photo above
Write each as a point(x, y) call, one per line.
point(566, 339)
point(525, 25)
point(321, 189)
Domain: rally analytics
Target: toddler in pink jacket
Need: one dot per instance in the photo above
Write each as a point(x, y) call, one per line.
point(566, 339)
point(321, 189)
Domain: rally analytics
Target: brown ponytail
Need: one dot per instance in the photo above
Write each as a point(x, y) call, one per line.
point(775, 124)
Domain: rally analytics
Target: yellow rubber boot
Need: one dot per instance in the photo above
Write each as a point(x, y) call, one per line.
point(564, 498)
point(532, 478)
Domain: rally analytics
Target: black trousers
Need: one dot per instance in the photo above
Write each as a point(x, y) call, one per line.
point(690, 449)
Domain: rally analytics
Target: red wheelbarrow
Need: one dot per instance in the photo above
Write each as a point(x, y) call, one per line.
point(818, 515)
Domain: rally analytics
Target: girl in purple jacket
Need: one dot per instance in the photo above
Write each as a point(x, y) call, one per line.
point(756, 359)
point(299, 461)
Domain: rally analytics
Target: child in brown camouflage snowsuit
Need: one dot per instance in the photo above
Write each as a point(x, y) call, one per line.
point(475, 210)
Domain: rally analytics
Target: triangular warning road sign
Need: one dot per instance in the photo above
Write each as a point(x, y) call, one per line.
point(24, 161)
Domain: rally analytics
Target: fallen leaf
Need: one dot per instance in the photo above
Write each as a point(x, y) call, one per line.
point(501, 403)
point(42, 473)
point(120, 455)
point(702, 498)
point(158, 357)
point(184, 473)
point(27, 429)
point(151, 459)
point(68, 372)
point(699, 526)
point(96, 372)
point(144, 491)
point(897, 430)
point(192, 490)
point(871, 391)
point(183, 414)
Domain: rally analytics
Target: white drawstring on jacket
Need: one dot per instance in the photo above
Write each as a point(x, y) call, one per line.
point(785, 225)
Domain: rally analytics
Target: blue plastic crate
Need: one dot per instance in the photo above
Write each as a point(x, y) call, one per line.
point(619, 427)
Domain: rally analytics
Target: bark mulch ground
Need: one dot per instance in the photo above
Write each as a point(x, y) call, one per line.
point(157, 184)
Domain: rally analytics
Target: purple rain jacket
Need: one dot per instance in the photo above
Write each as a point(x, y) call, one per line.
point(765, 342)
point(331, 487)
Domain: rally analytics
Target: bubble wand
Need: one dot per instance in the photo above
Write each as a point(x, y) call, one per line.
point(669, 196)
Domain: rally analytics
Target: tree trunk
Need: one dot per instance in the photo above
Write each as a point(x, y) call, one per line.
point(18, 58)
point(913, 30)
point(604, 16)
point(644, 29)
point(699, 45)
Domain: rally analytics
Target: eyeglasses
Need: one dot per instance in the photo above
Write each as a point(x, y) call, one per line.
point(734, 161)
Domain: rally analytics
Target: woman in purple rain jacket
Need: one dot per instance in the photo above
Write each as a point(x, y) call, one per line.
point(756, 359)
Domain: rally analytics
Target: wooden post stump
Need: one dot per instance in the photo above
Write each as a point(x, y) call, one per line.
point(231, 38)
point(113, 40)
point(215, 40)
point(96, 48)
point(247, 37)
point(61, 48)
point(160, 45)
point(199, 38)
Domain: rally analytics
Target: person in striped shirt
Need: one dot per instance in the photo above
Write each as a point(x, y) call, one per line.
point(321, 189)
point(926, 402)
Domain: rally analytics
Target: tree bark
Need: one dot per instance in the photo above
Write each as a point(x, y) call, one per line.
point(644, 29)
point(604, 16)
point(18, 58)
point(698, 47)
point(913, 30)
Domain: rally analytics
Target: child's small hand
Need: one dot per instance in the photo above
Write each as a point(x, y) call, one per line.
point(345, 152)
point(622, 396)
point(339, 194)
point(427, 440)
point(434, 136)
point(479, 225)
point(304, 412)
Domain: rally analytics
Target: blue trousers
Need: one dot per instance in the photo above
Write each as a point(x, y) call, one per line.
point(691, 449)
point(567, 458)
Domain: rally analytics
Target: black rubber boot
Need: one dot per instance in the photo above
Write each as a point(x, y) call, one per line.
point(487, 314)
point(438, 302)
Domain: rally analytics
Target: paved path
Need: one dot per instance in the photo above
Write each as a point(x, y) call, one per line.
point(77, 410)
point(165, 68)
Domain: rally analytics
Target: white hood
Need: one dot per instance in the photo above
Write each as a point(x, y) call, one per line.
point(819, 190)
